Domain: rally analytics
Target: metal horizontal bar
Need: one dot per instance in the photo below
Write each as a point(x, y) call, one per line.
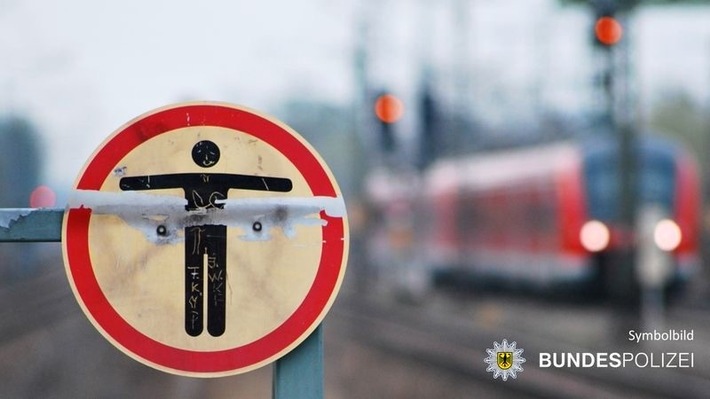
point(31, 224)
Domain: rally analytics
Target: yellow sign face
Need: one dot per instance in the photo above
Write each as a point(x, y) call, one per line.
point(205, 239)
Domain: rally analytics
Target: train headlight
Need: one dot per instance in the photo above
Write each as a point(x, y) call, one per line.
point(667, 235)
point(594, 236)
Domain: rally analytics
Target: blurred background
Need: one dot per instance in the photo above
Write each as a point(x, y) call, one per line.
point(529, 170)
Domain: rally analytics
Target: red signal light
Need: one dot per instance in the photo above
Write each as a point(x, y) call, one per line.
point(608, 31)
point(389, 108)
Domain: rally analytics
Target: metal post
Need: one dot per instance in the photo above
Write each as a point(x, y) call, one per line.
point(298, 375)
point(625, 128)
point(615, 81)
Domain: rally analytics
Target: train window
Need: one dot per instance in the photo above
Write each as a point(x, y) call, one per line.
point(656, 183)
point(602, 186)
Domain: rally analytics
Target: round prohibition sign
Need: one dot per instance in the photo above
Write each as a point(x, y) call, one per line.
point(162, 295)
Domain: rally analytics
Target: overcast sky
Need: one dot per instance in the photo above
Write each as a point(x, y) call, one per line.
point(82, 68)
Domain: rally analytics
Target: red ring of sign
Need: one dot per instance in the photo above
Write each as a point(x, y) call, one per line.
point(223, 361)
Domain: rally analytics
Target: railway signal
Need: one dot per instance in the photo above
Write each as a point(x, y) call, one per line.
point(429, 125)
point(607, 30)
point(388, 110)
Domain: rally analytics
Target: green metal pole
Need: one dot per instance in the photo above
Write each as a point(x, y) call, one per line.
point(299, 375)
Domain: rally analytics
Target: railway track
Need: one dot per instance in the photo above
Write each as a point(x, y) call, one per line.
point(455, 342)
point(451, 336)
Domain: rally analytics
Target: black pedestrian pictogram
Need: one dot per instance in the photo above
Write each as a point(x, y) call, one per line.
point(205, 245)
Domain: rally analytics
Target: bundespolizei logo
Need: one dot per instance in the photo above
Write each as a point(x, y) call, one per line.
point(504, 360)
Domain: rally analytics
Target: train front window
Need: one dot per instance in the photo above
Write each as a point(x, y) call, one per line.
point(654, 182)
point(602, 187)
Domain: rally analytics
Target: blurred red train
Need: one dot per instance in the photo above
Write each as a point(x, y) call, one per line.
point(549, 216)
